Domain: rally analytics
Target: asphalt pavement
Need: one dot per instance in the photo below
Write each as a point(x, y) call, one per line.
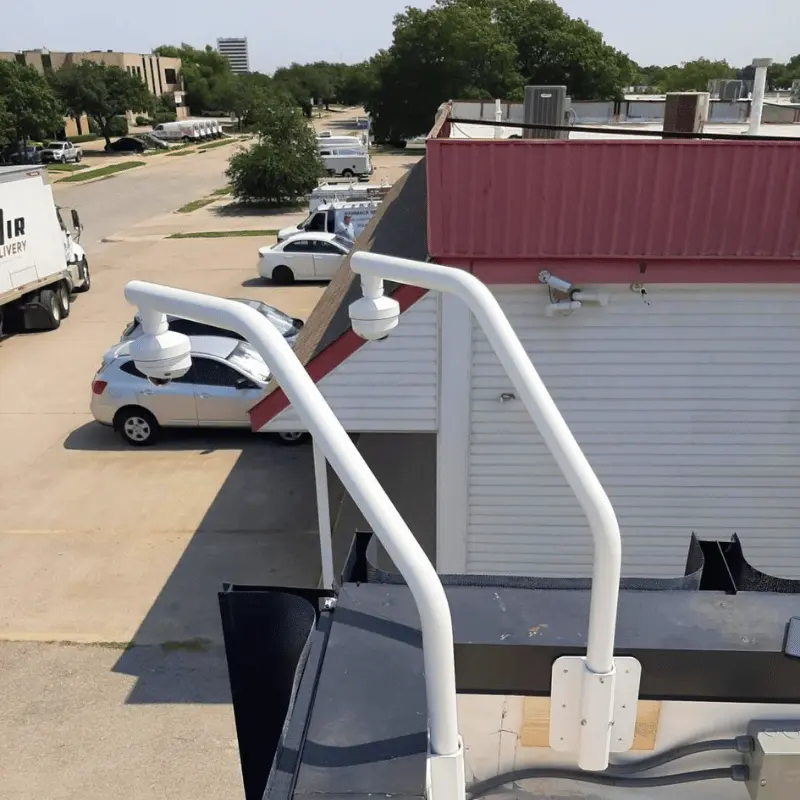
point(126, 199)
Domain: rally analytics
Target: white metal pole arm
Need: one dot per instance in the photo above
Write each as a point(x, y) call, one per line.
point(363, 486)
point(561, 443)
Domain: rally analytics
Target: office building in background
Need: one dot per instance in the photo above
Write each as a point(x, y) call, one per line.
point(235, 50)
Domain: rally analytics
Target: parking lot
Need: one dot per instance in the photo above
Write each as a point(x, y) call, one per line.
point(111, 557)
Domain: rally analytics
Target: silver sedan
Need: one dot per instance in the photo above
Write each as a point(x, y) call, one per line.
point(225, 381)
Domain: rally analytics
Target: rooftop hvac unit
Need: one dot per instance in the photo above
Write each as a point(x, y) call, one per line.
point(545, 105)
point(730, 90)
point(795, 91)
point(685, 112)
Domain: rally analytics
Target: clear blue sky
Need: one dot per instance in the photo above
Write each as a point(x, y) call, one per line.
point(309, 30)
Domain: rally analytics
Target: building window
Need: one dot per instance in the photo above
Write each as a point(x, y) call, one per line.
point(47, 62)
point(170, 76)
point(20, 58)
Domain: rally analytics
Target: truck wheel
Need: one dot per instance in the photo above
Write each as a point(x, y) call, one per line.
point(49, 299)
point(282, 275)
point(137, 426)
point(78, 158)
point(63, 299)
point(86, 277)
point(347, 173)
point(63, 159)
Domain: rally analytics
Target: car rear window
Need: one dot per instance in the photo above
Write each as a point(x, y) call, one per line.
point(129, 367)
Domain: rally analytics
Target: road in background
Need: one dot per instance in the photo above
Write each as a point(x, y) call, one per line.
point(164, 184)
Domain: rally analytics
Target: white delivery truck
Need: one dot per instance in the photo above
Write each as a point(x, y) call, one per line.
point(346, 192)
point(41, 262)
point(349, 162)
point(328, 216)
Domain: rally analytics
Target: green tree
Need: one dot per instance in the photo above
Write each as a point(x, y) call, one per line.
point(101, 91)
point(554, 49)
point(282, 165)
point(693, 76)
point(207, 77)
point(28, 107)
point(454, 50)
point(359, 83)
point(253, 94)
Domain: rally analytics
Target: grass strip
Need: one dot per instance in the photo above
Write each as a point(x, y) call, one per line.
point(220, 143)
point(194, 205)
point(111, 169)
point(66, 167)
point(220, 234)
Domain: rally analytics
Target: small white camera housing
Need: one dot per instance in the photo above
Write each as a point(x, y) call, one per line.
point(374, 317)
point(162, 357)
point(557, 284)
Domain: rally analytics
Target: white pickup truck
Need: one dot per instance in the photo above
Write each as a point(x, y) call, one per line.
point(41, 262)
point(61, 152)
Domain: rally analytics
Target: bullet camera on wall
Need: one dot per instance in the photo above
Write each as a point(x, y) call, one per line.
point(374, 317)
point(557, 284)
point(160, 354)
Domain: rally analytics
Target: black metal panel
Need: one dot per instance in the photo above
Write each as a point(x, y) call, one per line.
point(360, 568)
point(267, 639)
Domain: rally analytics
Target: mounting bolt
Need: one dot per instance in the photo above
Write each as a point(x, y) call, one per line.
point(329, 603)
point(583, 722)
point(762, 783)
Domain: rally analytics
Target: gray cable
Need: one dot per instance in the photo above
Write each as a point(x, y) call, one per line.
point(736, 773)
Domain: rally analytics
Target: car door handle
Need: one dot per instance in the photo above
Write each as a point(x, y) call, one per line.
point(148, 392)
point(205, 396)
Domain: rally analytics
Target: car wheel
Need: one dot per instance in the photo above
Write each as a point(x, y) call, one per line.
point(78, 158)
point(86, 276)
point(292, 437)
point(63, 300)
point(137, 426)
point(347, 173)
point(282, 275)
point(63, 159)
point(49, 299)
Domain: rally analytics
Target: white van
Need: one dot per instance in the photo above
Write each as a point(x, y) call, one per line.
point(346, 192)
point(341, 141)
point(348, 162)
point(327, 216)
point(180, 131)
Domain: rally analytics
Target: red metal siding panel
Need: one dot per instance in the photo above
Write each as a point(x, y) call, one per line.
point(621, 200)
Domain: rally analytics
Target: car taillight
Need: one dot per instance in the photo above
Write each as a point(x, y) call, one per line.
point(98, 387)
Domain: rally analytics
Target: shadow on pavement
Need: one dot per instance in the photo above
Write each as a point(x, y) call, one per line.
point(260, 529)
point(97, 437)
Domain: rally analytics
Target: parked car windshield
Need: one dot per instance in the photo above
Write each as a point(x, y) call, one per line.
point(245, 358)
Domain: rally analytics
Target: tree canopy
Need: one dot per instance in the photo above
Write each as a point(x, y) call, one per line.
point(28, 109)
point(282, 165)
point(100, 91)
point(206, 75)
point(487, 48)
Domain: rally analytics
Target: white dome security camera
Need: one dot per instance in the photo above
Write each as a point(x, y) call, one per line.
point(374, 317)
point(162, 357)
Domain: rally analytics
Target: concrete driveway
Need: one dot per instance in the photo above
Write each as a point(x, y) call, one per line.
point(111, 558)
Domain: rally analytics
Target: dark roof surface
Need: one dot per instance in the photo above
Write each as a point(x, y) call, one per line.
point(399, 228)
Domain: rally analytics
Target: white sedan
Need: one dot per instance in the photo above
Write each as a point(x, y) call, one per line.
point(303, 257)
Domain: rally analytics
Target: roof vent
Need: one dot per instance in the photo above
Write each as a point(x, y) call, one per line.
point(685, 112)
point(545, 105)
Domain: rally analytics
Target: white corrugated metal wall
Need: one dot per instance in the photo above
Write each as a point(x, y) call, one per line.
point(687, 408)
point(390, 385)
